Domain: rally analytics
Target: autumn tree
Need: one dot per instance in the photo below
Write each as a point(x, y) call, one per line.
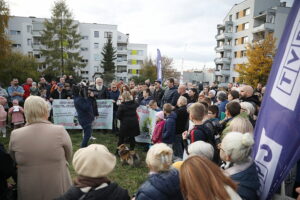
point(148, 70)
point(260, 56)
point(109, 56)
point(5, 47)
point(61, 39)
point(168, 71)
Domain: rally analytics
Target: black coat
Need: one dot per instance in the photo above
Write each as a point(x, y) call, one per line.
point(111, 192)
point(157, 96)
point(101, 94)
point(129, 120)
point(55, 94)
point(170, 96)
point(182, 120)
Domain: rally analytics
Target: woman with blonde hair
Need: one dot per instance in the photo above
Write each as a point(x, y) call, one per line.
point(163, 181)
point(41, 151)
point(202, 179)
point(240, 124)
point(128, 118)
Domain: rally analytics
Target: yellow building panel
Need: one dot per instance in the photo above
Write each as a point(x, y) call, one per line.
point(133, 52)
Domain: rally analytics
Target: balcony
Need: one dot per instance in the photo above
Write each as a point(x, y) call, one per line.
point(223, 48)
point(36, 33)
point(225, 72)
point(264, 27)
point(122, 51)
point(222, 36)
point(226, 60)
point(218, 73)
point(121, 62)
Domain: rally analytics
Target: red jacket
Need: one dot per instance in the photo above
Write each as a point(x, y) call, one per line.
point(157, 133)
point(26, 88)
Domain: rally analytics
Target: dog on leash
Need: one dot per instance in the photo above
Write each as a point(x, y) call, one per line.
point(128, 157)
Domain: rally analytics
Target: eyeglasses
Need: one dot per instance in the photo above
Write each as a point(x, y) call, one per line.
point(210, 113)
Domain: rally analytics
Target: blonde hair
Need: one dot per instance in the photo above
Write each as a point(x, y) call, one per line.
point(201, 148)
point(238, 146)
point(126, 96)
point(248, 107)
point(35, 109)
point(159, 158)
point(240, 124)
point(197, 111)
point(182, 101)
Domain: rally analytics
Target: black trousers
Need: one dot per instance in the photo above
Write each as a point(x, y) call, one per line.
point(130, 139)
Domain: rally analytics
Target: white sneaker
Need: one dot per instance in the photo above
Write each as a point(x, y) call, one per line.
point(92, 138)
point(4, 135)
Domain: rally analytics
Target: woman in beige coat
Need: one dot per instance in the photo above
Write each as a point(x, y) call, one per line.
point(42, 151)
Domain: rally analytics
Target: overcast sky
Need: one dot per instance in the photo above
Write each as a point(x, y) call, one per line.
point(182, 29)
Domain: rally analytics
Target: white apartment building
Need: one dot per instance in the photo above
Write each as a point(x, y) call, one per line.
point(246, 22)
point(25, 34)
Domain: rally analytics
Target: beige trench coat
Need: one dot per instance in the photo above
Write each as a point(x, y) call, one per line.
point(42, 151)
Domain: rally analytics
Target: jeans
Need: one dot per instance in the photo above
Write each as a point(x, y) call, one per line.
point(178, 146)
point(87, 130)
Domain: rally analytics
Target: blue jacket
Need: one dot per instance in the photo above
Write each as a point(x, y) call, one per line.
point(221, 107)
point(161, 186)
point(169, 130)
point(114, 96)
point(248, 183)
point(84, 108)
point(145, 102)
point(170, 96)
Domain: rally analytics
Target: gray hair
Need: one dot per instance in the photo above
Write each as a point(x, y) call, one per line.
point(221, 96)
point(201, 148)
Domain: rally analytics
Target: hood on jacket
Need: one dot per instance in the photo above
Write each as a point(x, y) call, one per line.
point(173, 115)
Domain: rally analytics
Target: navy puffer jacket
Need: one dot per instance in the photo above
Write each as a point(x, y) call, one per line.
point(161, 186)
point(84, 108)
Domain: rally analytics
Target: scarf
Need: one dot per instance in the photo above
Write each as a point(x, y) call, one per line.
point(82, 181)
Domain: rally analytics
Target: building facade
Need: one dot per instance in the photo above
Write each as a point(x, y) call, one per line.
point(206, 77)
point(246, 22)
point(25, 34)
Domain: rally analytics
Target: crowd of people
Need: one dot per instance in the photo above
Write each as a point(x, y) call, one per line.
point(201, 145)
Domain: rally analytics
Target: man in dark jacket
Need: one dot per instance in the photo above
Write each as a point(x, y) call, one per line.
point(169, 131)
point(170, 95)
point(247, 95)
point(101, 91)
point(114, 94)
point(146, 97)
point(59, 93)
point(181, 91)
point(84, 109)
point(158, 92)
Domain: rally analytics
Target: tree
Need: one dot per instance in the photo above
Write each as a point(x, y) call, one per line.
point(107, 63)
point(260, 56)
point(61, 39)
point(167, 68)
point(148, 70)
point(5, 47)
point(17, 65)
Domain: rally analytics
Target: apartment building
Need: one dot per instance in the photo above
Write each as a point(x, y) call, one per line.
point(25, 34)
point(246, 22)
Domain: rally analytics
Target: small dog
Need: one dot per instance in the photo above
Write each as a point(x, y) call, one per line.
point(128, 157)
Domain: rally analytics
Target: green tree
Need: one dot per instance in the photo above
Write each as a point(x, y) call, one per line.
point(260, 56)
point(148, 70)
point(61, 39)
point(4, 41)
point(17, 65)
point(107, 63)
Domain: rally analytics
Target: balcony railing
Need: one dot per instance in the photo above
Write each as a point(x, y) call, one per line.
point(223, 48)
point(223, 36)
point(264, 27)
point(226, 60)
point(218, 73)
point(225, 72)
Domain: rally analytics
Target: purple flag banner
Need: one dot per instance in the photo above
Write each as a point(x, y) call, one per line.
point(159, 65)
point(277, 131)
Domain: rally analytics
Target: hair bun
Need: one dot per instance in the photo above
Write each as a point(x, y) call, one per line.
point(247, 139)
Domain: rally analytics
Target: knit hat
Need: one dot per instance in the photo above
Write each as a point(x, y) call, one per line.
point(94, 161)
point(160, 115)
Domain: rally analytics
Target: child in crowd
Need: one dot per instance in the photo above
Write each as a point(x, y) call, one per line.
point(3, 117)
point(17, 114)
point(169, 130)
point(158, 130)
point(34, 90)
point(153, 105)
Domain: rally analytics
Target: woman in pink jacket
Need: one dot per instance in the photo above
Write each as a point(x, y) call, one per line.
point(160, 122)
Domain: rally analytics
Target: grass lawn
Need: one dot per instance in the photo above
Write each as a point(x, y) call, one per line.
point(127, 177)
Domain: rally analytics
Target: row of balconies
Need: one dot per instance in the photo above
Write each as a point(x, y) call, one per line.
point(223, 60)
point(223, 48)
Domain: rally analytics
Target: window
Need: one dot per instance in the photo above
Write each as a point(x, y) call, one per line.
point(244, 53)
point(37, 56)
point(236, 28)
point(96, 45)
point(96, 34)
point(229, 29)
point(245, 40)
point(14, 32)
point(84, 60)
point(237, 15)
point(96, 57)
point(246, 26)
point(236, 42)
point(108, 34)
point(16, 45)
point(230, 17)
point(85, 37)
point(121, 69)
point(84, 72)
point(84, 49)
point(235, 54)
point(247, 12)
point(29, 42)
point(30, 54)
point(29, 28)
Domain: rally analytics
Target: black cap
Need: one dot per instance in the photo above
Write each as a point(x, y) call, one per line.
point(158, 81)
